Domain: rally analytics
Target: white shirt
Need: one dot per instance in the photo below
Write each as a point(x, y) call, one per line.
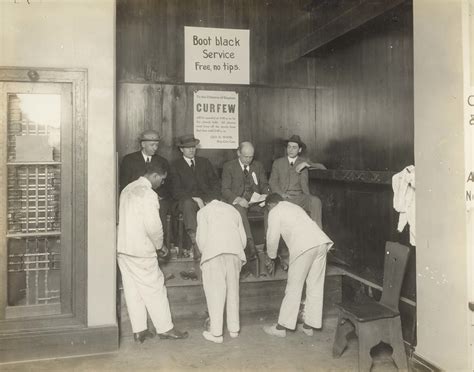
point(146, 157)
point(220, 230)
point(243, 166)
point(140, 232)
point(297, 229)
point(189, 160)
point(292, 160)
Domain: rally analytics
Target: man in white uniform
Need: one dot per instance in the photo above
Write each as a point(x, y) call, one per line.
point(307, 246)
point(221, 239)
point(140, 235)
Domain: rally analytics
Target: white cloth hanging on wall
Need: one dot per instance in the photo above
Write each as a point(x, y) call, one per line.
point(403, 184)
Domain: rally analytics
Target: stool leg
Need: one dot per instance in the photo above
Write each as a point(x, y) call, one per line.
point(399, 355)
point(344, 327)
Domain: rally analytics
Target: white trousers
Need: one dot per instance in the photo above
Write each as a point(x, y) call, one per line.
point(220, 279)
point(144, 289)
point(309, 267)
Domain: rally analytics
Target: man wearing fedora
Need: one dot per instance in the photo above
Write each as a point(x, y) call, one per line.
point(133, 167)
point(289, 178)
point(194, 183)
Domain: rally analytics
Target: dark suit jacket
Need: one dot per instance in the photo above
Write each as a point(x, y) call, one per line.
point(233, 179)
point(280, 176)
point(204, 180)
point(133, 167)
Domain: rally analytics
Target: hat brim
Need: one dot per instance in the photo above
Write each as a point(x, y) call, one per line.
point(189, 144)
point(301, 144)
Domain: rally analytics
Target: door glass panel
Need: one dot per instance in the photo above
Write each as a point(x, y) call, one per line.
point(33, 203)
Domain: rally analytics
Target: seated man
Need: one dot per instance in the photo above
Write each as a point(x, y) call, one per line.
point(194, 183)
point(289, 178)
point(308, 246)
point(140, 236)
point(133, 166)
point(240, 179)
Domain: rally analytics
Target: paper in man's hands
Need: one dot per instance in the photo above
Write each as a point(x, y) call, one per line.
point(257, 198)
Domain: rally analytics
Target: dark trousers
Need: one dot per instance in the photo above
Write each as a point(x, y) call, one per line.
point(244, 214)
point(189, 208)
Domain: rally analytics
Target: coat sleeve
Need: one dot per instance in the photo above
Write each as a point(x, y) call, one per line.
point(243, 235)
point(214, 191)
point(152, 221)
point(226, 188)
point(275, 178)
point(264, 185)
point(201, 232)
point(273, 234)
point(125, 173)
point(177, 188)
point(304, 180)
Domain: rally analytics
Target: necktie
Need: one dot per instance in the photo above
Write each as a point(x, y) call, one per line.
point(192, 164)
point(246, 171)
point(148, 159)
point(291, 164)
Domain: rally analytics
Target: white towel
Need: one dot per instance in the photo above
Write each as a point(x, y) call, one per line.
point(403, 184)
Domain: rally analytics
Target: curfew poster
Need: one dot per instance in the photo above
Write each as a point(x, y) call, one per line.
point(216, 119)
point(216, 55)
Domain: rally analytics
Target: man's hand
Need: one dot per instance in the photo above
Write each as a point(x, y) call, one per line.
point(241, 201)
point(269, 265)
point(163, 252)
point(199, 202)
point(302, 166)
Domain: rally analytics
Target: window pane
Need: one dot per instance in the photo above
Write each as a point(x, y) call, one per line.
point(33, 201)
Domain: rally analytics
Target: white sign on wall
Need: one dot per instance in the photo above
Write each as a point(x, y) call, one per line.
point(216, 55)
point(216, 119)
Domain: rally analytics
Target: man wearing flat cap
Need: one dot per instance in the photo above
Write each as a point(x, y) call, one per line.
point(133, 167)
point(289, 178)
point(194, 184)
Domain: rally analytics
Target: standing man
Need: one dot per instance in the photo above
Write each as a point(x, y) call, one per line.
point(242, 177)
point(194, 183)
point(289, 178)
point(307, 245)
point(221, 239)
point(140, 235)
point(133, 166)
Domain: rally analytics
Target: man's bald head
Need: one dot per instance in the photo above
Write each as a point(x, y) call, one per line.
point(246, 152)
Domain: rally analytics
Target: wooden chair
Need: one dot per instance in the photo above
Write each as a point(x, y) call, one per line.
point(373, 321)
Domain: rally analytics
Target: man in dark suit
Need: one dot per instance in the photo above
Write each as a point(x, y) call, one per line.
point(289, 178)
point(133, 166)
point(194, 183)
point(242, 177)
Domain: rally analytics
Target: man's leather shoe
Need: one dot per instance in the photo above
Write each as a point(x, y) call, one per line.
point(142, 336)
point(173, 334)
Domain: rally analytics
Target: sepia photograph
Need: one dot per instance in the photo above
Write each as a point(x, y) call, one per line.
point(237, 185)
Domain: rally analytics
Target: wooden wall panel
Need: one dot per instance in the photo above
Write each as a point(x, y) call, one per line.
point(364, 121)
point(364, 110)
point(150, 38)
point(266, 116)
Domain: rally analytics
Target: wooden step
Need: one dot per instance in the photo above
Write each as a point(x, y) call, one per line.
point(257, 295)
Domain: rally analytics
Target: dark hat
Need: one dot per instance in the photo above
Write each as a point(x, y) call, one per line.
point(187, 140)
point(295, 138)
point(149, 135)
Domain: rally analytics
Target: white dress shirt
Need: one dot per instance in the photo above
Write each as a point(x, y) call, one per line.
point(220, 230)
point(146, 157)
point(189, 160)
point(292, 160)
point(297, 229)
point(140, 232)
